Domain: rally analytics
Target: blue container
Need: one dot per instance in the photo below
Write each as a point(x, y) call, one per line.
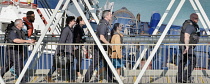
point(201, 59)
point(173, 54)
point(160, 58)
point(155, 18)
point(45, 61)
point(201, 48)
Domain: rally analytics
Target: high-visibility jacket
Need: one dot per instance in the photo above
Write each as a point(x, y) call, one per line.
point(29, 25)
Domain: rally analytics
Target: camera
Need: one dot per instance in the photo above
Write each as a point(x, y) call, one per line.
point(37, 32)
point(83, 39)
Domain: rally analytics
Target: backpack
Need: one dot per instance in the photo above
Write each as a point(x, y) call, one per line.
point(7, 31)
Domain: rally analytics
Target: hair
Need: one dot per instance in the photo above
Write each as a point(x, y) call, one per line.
point(138, 17)
point(69, 19)
point(114, 29)
point(17, 21)
point(193, 15)
point(29, 13)
point(79, 19)
point(105, 13)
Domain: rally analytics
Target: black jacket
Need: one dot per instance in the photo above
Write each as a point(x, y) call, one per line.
point(78, 34)
point(66, 37)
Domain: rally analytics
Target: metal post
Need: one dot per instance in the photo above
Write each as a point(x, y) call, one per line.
point(159, 41)
point(200, 17)
point(155, 32)
point(98, 42)
point(203, 12)
point(39, 42)
point(59, 16)
point(90, 9)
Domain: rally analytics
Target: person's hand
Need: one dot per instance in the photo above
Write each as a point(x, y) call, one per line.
point(185, 51)
point(31, 41)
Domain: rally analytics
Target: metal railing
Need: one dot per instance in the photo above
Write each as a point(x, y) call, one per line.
point(163, 68)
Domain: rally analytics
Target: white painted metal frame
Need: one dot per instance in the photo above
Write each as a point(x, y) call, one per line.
point(159, 41)
point(59, 16)
point(200, 17)
point(154, 33)
point(91, 10)
point(98, 42)
point(203, 13)
point(39, 42)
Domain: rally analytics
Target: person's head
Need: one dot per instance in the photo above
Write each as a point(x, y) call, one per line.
point(194, 17)
point(19, 23)
point(70, 21)
point(80, 21)
point(30, 16)
point(138, 17)
point(116, 28)
point(107, 15)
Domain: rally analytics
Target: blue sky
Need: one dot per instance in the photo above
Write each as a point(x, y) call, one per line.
point(147, 7)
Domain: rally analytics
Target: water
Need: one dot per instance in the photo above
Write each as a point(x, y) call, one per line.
point(147, 7)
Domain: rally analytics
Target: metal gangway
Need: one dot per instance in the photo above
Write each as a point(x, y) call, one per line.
point(139, 69)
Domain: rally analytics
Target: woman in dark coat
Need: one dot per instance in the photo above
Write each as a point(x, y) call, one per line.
point(78, 38)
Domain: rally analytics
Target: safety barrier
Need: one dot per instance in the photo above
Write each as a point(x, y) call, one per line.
point(162, 69)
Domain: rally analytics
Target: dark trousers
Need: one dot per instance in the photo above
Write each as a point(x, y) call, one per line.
point(69, 67)
point(184, 75)
point(78, 56)
point(15, 58)
point(97, 58)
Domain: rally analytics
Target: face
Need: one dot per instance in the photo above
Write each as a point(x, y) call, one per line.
point(82, 22)
point(109, 16)
point(120, 27)
point(195, 18)
point(21, 24)
point(73, 22)
point(31, 18)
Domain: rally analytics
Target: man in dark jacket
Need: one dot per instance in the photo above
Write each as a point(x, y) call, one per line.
point(104, 34)
point(15, 52)
point(189, 35)
point(65, 37)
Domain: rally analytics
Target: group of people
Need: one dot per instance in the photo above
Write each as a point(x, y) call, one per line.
point(18, 34)
point(73, 33)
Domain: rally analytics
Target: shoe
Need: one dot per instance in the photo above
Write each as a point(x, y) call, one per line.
point(188, 81)
point(80, 77)
point(49, 79)
point(12, 70)
point(122, 78)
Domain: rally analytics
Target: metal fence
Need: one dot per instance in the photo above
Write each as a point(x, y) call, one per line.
point(162, 69)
